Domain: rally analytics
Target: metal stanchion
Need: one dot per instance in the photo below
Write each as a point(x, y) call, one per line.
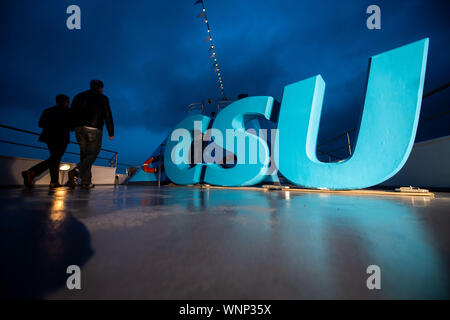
point(160, 167)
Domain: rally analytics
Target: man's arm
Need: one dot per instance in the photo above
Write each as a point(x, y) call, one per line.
point(43, 121)
point(109, 119)
point(74, 111)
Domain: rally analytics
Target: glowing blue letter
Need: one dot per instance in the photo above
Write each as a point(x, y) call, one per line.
point(243, 173)
point(177, 155)
point(386, 134)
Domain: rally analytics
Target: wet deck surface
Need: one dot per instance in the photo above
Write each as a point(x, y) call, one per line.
point(184, 243)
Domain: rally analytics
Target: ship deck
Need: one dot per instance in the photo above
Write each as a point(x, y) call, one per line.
point(141, 242)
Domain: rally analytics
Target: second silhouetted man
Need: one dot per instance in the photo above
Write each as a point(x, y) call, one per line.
point(90, 111)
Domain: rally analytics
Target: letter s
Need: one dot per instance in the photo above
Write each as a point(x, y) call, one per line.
point(243, 173)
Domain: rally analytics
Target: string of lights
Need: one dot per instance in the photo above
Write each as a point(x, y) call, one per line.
point(212, 47)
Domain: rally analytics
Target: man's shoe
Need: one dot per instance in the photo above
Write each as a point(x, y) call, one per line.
point(87, 186)
point(72, 178)
point(54, 185)
point(28, 177)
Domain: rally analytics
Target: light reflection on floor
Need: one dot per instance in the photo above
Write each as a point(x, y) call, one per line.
point(187, 243)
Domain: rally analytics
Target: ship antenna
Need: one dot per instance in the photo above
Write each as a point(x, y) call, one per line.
point(212, 47)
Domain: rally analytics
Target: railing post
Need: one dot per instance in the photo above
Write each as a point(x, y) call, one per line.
point(349, 145)
point(160, 167)
point(116, 180)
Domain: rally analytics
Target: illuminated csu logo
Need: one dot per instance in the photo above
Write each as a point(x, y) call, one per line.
point(385, 139)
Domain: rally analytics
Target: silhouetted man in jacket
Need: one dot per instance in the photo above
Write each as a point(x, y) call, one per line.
point(55, 123)
point(90, 110)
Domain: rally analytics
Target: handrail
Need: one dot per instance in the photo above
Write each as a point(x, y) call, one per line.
point(336, 137)
point(128, 165)
point(202, 105)
point(113, 162)
point(351, 130)
point(420, 121)
point(348, 137)
point(193, 106)
point(43, 148)
point(445, 86)
point(20, 130)
point(435, 116)
point(38, 134)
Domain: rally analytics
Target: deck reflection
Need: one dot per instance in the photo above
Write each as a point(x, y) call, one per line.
point(39, 239)
point(187, 243)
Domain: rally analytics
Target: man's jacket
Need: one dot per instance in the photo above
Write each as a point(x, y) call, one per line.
point(55, 122)
point(91, 109)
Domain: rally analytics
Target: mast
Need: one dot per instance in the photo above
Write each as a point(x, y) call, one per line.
point(212, 47)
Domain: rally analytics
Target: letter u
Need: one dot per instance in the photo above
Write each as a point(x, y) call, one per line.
point(386, 133)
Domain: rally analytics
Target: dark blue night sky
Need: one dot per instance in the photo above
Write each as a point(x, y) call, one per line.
point(153, 60)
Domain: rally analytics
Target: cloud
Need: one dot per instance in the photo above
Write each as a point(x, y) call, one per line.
point(153, 60)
